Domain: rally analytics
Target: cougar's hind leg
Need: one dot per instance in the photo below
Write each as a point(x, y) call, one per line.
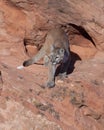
point(64, 68)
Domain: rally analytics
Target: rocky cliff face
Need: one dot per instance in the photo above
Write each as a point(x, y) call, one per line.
point(77, 103)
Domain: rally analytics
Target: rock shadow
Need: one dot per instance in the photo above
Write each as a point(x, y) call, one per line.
point(74, 57)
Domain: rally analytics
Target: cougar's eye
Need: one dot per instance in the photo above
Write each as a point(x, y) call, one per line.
point(61, 51)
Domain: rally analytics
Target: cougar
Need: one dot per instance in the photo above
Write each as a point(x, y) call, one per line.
point(55, 51)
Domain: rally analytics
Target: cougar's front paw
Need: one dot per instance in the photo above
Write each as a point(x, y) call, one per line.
point(50, 84)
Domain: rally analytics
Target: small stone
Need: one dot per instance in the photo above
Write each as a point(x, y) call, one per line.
point(60, 81)
point(20, 67)
point(72, 85)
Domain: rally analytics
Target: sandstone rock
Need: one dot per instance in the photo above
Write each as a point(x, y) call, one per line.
point(1, 83)
point(23, 119)
point(46, 14)
point(32, 19)
point(76, 103)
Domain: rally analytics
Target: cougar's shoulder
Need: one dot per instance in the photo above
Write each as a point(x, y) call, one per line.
point(56, 37)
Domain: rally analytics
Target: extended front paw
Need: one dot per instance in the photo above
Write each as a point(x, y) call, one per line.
point(50, 84)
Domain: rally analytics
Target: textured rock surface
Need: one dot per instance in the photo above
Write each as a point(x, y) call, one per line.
point(77, 103)
point(47, 13)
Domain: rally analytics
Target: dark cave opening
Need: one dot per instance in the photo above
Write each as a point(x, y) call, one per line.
point(79, 30)
point(83, 32)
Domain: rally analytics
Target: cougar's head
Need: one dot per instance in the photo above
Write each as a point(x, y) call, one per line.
point(56, 55)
